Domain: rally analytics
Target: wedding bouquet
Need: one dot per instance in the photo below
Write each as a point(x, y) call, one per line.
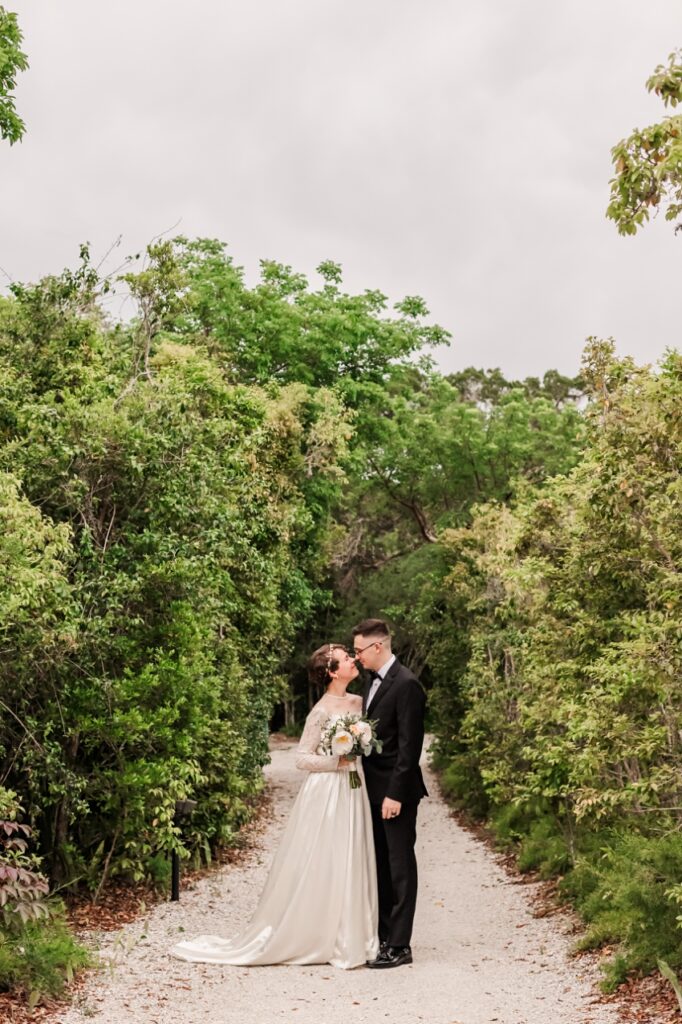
point(349, 736)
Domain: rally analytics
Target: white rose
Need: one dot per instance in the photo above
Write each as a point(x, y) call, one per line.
point(364, 732)
point(342, 742)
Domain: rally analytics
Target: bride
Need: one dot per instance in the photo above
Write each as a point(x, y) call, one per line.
point(319, 902)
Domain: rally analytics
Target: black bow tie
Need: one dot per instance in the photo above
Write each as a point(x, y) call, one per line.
point(373, 676)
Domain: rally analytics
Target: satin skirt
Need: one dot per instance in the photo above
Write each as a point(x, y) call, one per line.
point(319, 903)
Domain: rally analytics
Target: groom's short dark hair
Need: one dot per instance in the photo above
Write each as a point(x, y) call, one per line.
point(372, 627)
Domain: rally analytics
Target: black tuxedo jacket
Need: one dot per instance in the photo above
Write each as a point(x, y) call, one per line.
point(399, 706)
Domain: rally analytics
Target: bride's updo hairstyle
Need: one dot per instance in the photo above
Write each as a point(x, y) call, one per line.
point(321, 663)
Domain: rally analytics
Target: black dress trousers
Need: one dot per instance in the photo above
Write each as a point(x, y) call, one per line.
point(394, 840)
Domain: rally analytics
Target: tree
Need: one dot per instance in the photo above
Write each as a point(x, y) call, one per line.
point(283, 330)
point(560, 616)
point(187, 511)
point(12, 60)
point(427, 455)
point(648, 163)
point(486, 387)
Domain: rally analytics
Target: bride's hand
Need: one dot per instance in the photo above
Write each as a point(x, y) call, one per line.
point(345, 762)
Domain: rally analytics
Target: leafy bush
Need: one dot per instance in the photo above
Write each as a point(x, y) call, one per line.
point(567, 607)
point(630, 894)
point(544, 849)
point(22, 889)
point(167, 517)
point(40, 959)
point(462, 785)
point(38, 954)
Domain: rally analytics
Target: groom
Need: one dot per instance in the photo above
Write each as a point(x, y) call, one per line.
point(395, 698)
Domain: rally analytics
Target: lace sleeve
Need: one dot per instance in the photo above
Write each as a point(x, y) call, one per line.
point(307, 758)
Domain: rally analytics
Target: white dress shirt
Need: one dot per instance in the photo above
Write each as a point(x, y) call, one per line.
point(380, 676)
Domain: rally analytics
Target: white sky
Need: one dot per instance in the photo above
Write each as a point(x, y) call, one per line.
point(456, 150)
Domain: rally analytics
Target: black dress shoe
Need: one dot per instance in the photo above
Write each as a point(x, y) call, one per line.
point(393, 956)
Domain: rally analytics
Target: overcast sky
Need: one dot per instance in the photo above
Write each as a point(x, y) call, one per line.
point(456, 150)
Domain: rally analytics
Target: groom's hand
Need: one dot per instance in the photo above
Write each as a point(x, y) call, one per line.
point(390, 808)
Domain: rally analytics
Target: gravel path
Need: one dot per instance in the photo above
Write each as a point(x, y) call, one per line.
point(480, 955)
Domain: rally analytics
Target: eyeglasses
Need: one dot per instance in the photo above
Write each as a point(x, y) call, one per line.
point(359, 650)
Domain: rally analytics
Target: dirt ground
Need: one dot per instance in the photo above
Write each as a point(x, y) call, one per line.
point(479, 954)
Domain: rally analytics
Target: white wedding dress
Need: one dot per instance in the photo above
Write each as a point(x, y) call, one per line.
point(319, 903)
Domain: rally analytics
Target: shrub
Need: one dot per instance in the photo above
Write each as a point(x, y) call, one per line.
point(461, 784)
point(565, 602)
point(544, 849)
point(38, 954)
point(39, 959)
point(629, 895)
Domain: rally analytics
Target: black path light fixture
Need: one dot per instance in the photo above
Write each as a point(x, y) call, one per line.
point(183, 812)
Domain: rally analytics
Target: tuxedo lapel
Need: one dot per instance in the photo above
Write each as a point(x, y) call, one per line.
point(385, 686)
point(365, 692)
